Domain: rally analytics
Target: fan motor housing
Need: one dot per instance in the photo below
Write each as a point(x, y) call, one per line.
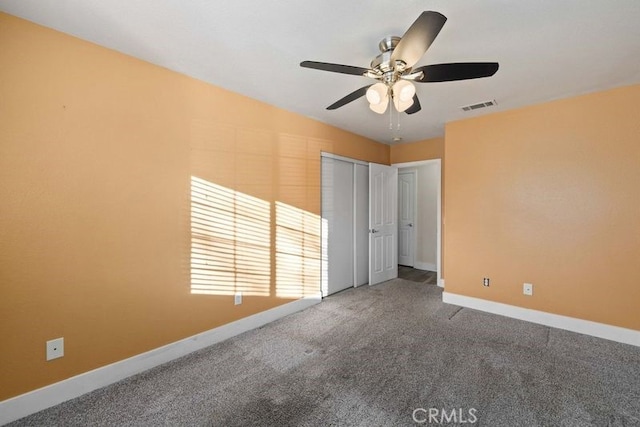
point(388, 43)
point(382, 62)
point(384, 65)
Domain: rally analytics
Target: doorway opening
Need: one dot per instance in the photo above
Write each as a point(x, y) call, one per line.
point(420, 216)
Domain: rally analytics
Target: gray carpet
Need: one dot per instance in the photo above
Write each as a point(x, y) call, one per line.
point(371, 356)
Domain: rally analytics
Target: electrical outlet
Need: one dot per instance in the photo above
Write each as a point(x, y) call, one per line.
point(527, 289)
point(485, 281)
point(55, 348)
point(237, 299)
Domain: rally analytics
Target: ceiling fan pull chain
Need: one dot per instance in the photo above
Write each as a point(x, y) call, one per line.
point(390, 116)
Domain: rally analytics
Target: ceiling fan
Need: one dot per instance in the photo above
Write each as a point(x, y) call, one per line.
point(394, 72)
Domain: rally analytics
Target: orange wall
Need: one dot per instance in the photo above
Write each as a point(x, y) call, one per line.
point(549, 194)
point(415, 151)
point(96, 154)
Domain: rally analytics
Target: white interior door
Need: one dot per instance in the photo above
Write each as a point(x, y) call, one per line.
point(406, 218)
point(383, 225)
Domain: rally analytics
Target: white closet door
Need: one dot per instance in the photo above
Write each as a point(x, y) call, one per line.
point(337, 214)
point(361, 224)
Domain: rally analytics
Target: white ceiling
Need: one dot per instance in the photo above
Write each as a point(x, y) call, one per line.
point(547, 49)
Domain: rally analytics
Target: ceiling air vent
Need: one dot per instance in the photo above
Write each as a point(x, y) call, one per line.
point(479, 105)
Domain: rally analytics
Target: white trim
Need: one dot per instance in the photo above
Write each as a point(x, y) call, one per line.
point(600, 330)
point(344, 159)
point(425, 266)
point(441, 283)
point(439, 229)
point(354, 219)
point(415, 164)
point(29, 403)
point(439, 209)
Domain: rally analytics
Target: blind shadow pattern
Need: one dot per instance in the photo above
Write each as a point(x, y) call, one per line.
point(298, 251)
point(231, 247)
point(230, 241)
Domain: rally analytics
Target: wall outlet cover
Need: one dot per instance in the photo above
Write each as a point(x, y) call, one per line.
point(55, 348)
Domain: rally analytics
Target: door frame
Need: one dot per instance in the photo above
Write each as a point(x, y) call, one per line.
point(438, 162)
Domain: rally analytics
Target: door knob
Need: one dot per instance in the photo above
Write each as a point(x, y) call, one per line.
point(373, 230)
point(410, 225)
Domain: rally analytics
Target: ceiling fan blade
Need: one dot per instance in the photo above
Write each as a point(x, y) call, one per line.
point(456, 71)
point(418, 38)
point(335, 68)
point(347, 99)
point(415, 107)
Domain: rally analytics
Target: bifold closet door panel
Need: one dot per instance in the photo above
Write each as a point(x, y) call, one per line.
point(337, 211)
point(361, 224)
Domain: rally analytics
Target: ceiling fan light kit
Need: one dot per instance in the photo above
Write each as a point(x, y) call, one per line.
point(393, 68)
point(401, 92)
point(377, 93)
point(381, 107)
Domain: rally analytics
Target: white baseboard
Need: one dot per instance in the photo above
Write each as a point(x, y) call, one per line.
point(54, 394)
point(441, 283)
point(587, 327)
point(425, 266)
